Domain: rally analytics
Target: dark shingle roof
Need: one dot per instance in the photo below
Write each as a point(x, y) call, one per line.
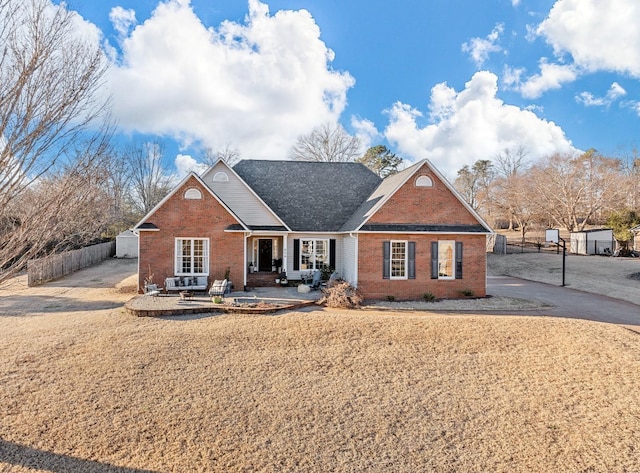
point(310, 196)
point(147, 226)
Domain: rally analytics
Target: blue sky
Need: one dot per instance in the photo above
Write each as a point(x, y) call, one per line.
point(449, 80)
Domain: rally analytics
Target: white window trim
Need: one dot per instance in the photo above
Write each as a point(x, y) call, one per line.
point(313, 255)
point(193, 194)
point(221, 176)
point(406, 259)
point(177, 249)
point(453, 260)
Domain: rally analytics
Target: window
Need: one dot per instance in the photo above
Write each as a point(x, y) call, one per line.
point(398, 259)
point(311, 253)
point(446, 259)
point(193, 194)
point(424, 181)
point(192, 256)
point(314, 254)
point(220, 176)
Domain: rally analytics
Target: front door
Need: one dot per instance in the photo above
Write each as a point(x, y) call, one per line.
point(265, 254)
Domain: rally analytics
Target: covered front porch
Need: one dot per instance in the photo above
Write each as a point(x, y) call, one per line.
point(265, 259)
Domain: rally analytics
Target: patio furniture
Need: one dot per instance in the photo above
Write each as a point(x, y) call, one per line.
point(186, 295)
point(316, 280)
point(218, 288)
point(186, 283)
point(151, 290)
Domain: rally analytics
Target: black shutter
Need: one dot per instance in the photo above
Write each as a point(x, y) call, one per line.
point(332, 253)
point(386, 259)
point(434, 260)
point(296, 254)
point(458, 260)
point(411, 273)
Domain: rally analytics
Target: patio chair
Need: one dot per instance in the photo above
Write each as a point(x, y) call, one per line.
point(151, 290)
point(316, 280)
point(218, 288)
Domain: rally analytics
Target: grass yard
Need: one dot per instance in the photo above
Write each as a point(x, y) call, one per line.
point(317, 391)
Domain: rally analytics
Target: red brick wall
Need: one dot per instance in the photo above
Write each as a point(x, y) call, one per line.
point(426, 205)
point(373, 286)
point(181, 218)
point(422, 205)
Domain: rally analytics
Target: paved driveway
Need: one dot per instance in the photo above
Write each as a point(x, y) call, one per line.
point(567, 302)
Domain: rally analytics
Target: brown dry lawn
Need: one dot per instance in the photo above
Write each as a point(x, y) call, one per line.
point(317, 391)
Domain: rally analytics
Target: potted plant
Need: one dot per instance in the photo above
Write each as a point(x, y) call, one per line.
point(277, 263)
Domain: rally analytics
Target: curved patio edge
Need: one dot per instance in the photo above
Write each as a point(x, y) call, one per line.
point(149, 306)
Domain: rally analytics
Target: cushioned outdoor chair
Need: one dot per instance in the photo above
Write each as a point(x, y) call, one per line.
point(218, 288)
point(316, 280)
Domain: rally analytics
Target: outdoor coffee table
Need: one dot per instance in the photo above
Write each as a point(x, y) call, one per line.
point(186, 295)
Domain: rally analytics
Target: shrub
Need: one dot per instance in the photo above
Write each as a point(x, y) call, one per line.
point(391, 298)
point(467, 292)
point(341, 296)
point(429, 297)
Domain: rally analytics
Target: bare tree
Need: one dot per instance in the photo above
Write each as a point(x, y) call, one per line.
point(510, 166)
point(327, 143)
point(52, 120)
point(229, 154)
point(118, 188)
point(631, 172)
point(149, 181)
point(62, 210)
point(574, 189)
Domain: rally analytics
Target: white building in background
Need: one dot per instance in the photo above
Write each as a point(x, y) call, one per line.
point(593, 242)
point(127, 245)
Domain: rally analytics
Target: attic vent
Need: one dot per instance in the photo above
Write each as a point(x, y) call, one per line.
point(220, 177)
point(424, 181)
point(193, 194)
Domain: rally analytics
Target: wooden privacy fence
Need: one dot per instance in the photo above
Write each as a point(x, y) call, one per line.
point(55, 266)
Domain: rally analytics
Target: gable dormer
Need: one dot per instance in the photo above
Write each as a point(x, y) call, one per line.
point(235, 193)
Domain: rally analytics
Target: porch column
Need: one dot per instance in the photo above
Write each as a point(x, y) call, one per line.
point(284, 253)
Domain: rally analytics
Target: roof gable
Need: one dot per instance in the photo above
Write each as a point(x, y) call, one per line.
point(309, 196)
point(143, 224)
point(379, 207)
point(240, 197)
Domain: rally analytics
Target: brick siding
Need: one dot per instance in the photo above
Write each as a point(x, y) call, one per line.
point(422, 205)
point(425, 205)
point(182, 218)
point(373, 286)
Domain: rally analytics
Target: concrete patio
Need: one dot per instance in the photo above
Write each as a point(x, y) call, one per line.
point(257, 300)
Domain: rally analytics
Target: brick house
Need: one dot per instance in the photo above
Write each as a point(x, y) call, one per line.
point(402, 236)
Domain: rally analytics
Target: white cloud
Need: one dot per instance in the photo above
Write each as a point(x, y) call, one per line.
point(480, 48)
point(256, 85)
point(122, 20)
point(598, 35)
point(615, 92)
point(366, 131)
point(512, 76)
point(552, 76)
point(515, 3)
point(185, 164)
point(469, 125)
